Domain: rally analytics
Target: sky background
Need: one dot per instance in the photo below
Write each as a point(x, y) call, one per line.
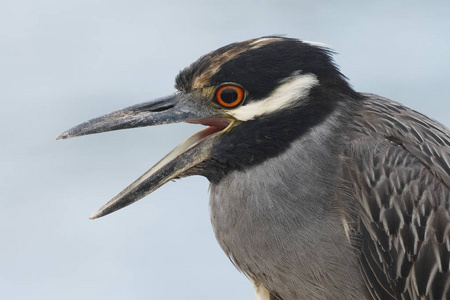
point(64, 62)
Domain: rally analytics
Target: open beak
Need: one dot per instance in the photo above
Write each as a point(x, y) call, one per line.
point(176, 108)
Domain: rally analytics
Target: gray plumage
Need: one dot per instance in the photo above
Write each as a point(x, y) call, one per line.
point(383, 171)
point(317, 191)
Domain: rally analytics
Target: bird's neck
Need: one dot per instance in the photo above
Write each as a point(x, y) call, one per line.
point(276, 208)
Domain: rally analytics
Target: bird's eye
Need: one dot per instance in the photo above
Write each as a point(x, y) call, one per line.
point(229, 95)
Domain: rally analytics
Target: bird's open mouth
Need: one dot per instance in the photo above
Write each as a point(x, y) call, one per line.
point(182, 158)
point(185, 156)
point(214, 125)
point(190, 153)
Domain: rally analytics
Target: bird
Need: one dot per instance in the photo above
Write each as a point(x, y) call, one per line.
point(317, 191)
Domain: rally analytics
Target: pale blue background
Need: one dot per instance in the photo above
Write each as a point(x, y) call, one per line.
point(64, 62)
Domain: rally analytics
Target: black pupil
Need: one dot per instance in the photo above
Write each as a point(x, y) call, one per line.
point(228, 95)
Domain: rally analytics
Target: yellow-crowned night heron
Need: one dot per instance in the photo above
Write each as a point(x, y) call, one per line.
point(317, 191)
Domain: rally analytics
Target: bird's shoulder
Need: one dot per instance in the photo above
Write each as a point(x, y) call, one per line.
point(424, 138)
point(396, 165)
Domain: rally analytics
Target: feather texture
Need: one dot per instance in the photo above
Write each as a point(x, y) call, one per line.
point(397, 167)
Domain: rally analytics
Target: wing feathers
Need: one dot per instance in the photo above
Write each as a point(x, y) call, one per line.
point(398, 167)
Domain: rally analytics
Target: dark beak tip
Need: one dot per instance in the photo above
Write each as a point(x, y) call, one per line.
point(65, 135)
point(97, 214)
point(73, 132)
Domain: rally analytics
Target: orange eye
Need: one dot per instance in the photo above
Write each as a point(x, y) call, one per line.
point(229, 95)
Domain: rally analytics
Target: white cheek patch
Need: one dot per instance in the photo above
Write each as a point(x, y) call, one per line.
point(292, 89)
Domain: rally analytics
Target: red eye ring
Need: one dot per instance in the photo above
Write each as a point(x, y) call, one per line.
point(229, 95)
